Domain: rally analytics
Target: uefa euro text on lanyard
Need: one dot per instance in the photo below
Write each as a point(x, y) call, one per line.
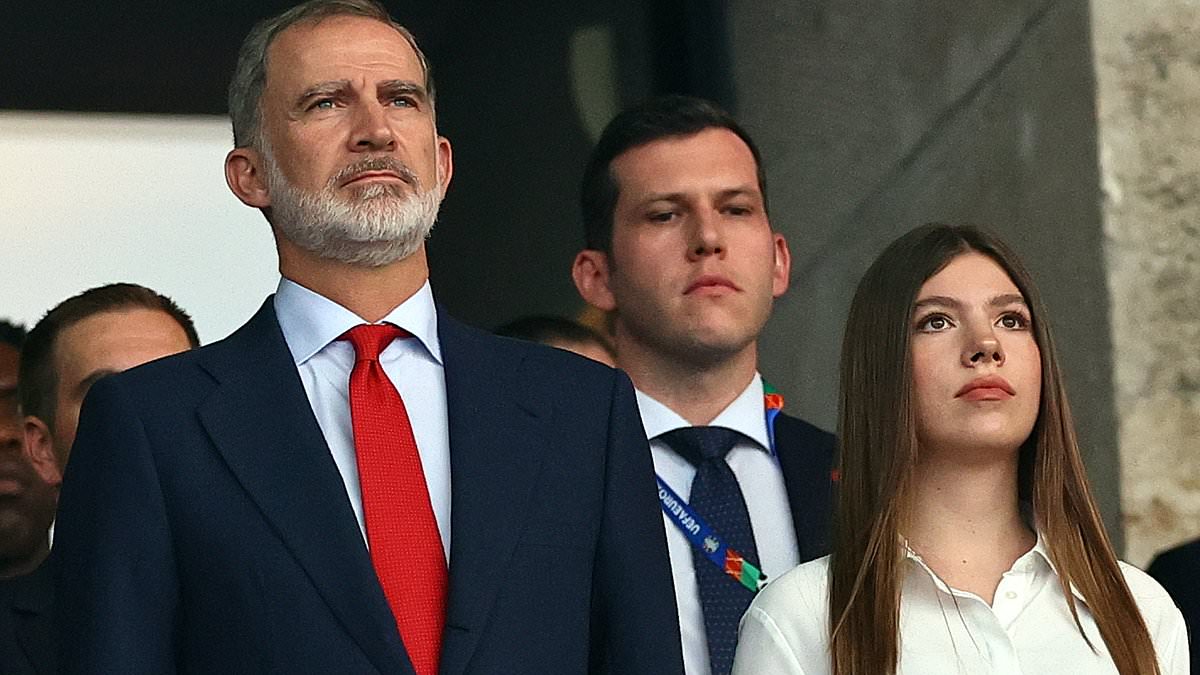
point(703, 537)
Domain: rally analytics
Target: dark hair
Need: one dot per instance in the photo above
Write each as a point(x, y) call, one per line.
point(660, 117)
point(250, 74)
point(12, 333)
point(37, 379)
point(877, 435)
point(545, 328)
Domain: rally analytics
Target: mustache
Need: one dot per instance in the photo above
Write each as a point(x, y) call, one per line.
point(377, 164)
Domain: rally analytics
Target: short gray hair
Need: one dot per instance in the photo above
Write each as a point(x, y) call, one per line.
point(250, 75)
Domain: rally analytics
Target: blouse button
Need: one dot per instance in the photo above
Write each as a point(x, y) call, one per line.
point(1011, 595)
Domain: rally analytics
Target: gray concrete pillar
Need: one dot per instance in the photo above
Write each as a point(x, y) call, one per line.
point(1147, 57)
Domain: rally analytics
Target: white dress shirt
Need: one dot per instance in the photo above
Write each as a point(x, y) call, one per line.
point(762, 486)
point(311, 325)
point(1028, 628)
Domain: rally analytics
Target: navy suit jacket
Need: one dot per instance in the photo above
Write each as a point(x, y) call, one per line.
point(204, 527)
point(27, 600)
point(807, 460)
point(1178, 570)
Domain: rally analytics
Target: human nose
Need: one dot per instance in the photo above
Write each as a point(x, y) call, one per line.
point(706, 236)
point(371, 130)
point(982, 347)
point(10, 418)
point(11, 436)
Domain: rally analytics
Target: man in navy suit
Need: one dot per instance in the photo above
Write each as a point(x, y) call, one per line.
point(680, 251)
point(223, 510)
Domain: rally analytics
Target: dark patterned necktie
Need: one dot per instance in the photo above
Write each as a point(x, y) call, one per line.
point(717, 499)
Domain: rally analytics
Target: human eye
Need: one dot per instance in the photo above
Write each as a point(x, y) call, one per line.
point(1013, 321)
point(403, 101)
point(935, 322)
point(661, 216)
point(739, 209)
point(323, 103)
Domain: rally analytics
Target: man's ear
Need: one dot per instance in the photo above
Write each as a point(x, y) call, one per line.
point(445, 164)
point(245, 176)
point(590, 272)
point(782, 271)
point(39, 450)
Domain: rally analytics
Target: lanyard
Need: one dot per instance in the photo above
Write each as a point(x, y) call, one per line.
point(704, 538)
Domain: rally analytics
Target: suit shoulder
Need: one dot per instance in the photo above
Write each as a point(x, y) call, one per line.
point(173, 376)
point(161, 370)
point(558, 362)
point(1180, 561)
point(791, 430)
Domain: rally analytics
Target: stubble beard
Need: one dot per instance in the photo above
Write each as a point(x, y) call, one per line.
point(684, 347)
point(375, 226)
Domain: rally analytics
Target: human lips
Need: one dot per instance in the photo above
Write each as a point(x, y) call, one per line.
point(987, 388)
point(710, 283)
point(373, 175)
point(375, 168)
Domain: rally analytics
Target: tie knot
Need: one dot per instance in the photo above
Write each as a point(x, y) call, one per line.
point(369, 339)
point(701, 444)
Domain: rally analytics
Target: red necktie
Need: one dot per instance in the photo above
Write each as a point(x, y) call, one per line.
point(406, 547)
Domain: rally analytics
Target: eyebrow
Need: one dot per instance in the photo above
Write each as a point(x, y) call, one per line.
point(386, 87)
point(323, 89)
point(396, 87)
point(995, 301)
point(683, 196)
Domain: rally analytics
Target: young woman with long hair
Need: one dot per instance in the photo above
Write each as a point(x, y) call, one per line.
point(966, 538)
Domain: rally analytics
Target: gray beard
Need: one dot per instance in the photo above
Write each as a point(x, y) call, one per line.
point(378, 226)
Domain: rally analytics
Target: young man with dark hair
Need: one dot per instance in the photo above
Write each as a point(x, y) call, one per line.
point(101, 331)
point(354, 482)
point(680, 250)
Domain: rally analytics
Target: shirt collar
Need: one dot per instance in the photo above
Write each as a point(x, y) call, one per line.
point(1029, 562)
point(310, 321)
point(745, 414)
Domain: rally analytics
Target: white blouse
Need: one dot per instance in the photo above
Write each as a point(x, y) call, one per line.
point(1028, 629)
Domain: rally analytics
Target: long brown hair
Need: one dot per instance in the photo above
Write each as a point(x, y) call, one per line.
point(878, 437)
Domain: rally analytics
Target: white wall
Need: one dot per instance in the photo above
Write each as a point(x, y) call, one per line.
point(92, 199)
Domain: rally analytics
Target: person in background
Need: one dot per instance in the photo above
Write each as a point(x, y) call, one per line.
point(681, 254)
point(100, 331)
point(560, 332)
point(26, 510)
point(353, 481)
point(103, 330)
point(967, 538)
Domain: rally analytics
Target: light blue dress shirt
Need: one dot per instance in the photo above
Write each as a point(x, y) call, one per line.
point(311, 325)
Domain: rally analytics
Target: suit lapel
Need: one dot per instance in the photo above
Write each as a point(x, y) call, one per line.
point(261, 422)
point(496, 449)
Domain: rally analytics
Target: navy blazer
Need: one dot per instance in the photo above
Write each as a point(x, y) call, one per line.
point(203, 525)
point(1178, 570)
point(807, 460)
point(27, 601)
